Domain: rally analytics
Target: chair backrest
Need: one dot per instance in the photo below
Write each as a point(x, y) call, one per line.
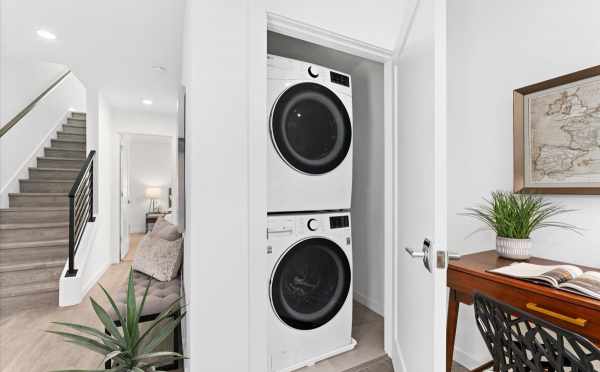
point(519, 341)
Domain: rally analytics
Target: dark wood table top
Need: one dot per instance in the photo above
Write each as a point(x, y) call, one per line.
point(478, 264)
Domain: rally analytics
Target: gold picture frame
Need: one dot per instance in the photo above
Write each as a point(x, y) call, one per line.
point(562, 161)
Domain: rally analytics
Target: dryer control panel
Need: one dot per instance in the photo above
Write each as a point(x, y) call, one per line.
point(339, 222)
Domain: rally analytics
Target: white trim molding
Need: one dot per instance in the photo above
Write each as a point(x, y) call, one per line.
point(467, 360)
point(304, 31)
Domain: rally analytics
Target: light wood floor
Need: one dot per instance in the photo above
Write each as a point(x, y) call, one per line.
point(26, 347)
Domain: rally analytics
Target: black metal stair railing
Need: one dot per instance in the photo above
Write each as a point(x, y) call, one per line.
point(81, 208)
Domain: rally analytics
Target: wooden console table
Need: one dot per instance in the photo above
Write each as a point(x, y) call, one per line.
point(469, 275)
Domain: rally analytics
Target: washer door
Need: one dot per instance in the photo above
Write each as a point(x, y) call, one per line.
point(311, 128)
point(310, 283)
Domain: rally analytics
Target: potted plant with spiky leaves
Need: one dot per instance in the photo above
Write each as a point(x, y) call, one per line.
point(514, 217)
point(129, 350)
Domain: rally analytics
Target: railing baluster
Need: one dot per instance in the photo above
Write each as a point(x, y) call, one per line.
point(80, 213)
point(92, 218)
point(71, 271)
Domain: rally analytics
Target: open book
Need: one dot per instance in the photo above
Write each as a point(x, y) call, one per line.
point(567, 277)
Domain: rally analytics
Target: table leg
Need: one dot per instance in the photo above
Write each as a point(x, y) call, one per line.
point(453, 305)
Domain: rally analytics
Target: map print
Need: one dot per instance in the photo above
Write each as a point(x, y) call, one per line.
point(564, 135)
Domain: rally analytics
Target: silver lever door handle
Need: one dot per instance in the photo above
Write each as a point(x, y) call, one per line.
point(414, 254)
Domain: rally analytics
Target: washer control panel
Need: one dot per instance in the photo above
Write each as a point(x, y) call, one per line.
point(313, 224)
point(298, 225)
point(281, 226)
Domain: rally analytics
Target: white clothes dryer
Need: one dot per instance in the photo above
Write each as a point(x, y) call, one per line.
point(310, 130)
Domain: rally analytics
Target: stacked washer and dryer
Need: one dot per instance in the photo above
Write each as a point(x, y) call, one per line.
point(309, 197)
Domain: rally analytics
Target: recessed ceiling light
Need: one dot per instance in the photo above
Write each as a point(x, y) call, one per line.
point(46, 34)
point(147, 102)
point(159, 68)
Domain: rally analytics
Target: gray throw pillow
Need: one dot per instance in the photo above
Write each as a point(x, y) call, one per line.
point(163, 229)
point(159, 258)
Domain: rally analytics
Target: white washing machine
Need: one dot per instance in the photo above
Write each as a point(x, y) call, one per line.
point(310, 127)
point(309, 288)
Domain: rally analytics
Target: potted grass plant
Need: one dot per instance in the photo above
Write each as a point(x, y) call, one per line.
point(514, 217)
point(129, 349)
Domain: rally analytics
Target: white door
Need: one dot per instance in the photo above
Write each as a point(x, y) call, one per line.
point(124, 190)
point(419, 295)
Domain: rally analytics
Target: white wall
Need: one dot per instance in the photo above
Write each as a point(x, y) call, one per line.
point(144, 122)
point(100, 256)
point(368, 185)
point(95, 253)
point(226, 203)
point(368, 172)
point(378, 20)
point(26, 140)
point(495, 47)
point(150, 165)
point(21, 81)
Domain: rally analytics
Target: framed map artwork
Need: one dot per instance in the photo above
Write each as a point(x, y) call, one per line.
point(556, 127)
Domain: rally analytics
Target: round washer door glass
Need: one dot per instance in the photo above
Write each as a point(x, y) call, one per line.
point(311, 128)
point(311, 283)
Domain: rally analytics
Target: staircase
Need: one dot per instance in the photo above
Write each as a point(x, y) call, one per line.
point(34, 230)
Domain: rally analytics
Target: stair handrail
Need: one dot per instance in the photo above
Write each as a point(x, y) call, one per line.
point(81, 208)
point(12, 122)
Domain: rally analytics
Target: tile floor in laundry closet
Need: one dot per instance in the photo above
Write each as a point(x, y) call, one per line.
point(368, 356)
point(367, 330)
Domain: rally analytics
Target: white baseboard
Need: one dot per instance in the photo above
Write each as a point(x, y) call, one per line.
point(94, 279)
point(31, 161)
point(467, 360)
point(373, 305)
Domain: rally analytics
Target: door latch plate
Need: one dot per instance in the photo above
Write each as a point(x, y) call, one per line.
point(441, 259)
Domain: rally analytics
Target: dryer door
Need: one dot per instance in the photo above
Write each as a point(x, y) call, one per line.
point(310, 283)
point(311, 128)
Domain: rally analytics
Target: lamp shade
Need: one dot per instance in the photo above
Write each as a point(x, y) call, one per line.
point(152, 193)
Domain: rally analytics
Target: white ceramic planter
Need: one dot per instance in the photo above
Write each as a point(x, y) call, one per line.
point(514, 249)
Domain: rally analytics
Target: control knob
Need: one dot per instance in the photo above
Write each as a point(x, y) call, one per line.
point(313, 224)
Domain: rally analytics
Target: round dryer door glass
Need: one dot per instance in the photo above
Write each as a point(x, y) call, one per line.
point(311, 283)
point(311, 128)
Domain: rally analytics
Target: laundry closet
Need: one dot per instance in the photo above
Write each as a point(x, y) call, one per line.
point(335, 198)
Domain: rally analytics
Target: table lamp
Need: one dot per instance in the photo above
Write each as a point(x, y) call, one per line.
point(152, 194)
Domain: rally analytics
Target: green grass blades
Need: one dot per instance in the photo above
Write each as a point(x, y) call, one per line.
point(516, 216)
point(128, 350)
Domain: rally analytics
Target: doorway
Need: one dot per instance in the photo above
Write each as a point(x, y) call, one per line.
point(146, 186)
point(368, 196)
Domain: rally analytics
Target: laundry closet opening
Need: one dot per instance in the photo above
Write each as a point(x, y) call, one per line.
point(352, 202)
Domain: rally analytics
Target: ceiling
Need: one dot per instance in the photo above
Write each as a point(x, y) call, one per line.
point(111, 45)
